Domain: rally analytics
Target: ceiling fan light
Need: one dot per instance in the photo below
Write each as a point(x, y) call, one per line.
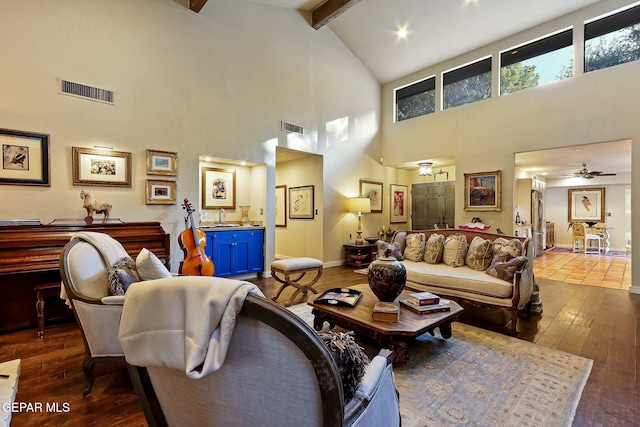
point(425, 169)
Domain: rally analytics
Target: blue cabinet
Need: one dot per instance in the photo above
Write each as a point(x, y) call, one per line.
point(236, 251)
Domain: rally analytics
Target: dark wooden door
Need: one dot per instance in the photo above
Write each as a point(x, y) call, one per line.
point(433, 203)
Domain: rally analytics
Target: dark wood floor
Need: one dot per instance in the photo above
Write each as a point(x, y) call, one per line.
point(594, 322)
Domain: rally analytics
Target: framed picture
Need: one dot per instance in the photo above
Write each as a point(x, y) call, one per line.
point(483, 191)
point(162, 163)
point(160, 192)
point(372, 190)
point(218, 188)
point(101, 167)
point(25, 158)
point(281, 205)
point(586, 205)
point(301, 202)
point(398, 203)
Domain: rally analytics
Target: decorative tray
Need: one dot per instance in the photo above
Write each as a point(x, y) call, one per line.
point(339, 296)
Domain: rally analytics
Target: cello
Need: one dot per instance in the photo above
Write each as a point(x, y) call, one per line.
point(192, 242)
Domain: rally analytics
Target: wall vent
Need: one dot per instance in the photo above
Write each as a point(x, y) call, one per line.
point(288, 127)
point(87, 92)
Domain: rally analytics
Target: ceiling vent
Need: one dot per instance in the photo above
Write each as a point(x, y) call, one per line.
point(288, 127)
point(87, 92)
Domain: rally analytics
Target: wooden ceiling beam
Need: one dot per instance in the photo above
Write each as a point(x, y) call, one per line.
point(330, 9)
point(196, 5)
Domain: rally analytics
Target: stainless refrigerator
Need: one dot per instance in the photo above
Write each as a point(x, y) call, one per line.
point(538, 223)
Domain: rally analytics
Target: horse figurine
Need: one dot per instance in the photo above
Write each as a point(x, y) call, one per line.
point(91, 205)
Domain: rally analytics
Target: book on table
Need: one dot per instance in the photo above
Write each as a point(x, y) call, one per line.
point(423, 298)
point(426, 309)
point(386, 311)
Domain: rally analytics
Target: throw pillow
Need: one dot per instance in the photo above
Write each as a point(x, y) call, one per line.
point(505, 270)
point(399, 237)
point(393, 248)
point(434, 249)
point(502, 246)
point(455, 250)
point(149, 267)
point(349, 357)
point(479, 254)
point(120, 275)
point(414, 247)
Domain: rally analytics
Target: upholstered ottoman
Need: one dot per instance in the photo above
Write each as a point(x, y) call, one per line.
point(284, 269)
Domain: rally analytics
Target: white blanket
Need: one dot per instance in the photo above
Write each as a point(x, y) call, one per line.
point(183, 323)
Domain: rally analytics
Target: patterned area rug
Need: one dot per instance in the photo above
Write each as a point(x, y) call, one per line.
point(610, 253)
point(481, 378)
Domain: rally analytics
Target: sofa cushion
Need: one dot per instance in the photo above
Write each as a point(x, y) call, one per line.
point(434, 249)
point(393, 248)
point(502, 246)
point(149, 267)
point(441, 277)
point(455, 250)
point(479, 254)
point(505, 269)
point(414, 247)
point(121, 275)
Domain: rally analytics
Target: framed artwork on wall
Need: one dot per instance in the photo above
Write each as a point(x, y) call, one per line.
point(398, 203)
point(25, 158)
point(104, 168)
point(373, 191)
point(586, 205)
point(160, 192)
point(218, 188)
point(483, 191)
point(301, 202)
point(281, 205)
point(162, 163)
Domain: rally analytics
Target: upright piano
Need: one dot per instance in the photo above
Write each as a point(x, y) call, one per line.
point(30, 258)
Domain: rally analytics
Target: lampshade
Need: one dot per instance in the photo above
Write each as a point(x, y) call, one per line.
point(424, 169)
point(360, 205)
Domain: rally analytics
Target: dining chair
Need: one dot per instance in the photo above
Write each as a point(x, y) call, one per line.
point(579, 234)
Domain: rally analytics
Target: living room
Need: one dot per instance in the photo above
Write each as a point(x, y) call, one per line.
point(221, 82)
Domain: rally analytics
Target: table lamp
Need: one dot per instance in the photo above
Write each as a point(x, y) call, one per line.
point(360, 205)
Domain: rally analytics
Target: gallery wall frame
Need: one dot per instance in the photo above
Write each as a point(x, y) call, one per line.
point(372, 190)
point(105, 168)
point(398, 201)
point(483, 191)
point(301, 202)
point(160, 192)
point(281, 205)
point(162, 163)
point(586, 204)
point(218, 188)
point(26, 158)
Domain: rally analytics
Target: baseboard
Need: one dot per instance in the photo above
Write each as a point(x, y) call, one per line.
point(634, 290)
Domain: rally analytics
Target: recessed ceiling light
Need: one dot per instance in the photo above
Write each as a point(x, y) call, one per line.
point(402, 33)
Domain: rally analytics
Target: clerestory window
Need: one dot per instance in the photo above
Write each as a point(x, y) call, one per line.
point(467, 84)
point(416, 99)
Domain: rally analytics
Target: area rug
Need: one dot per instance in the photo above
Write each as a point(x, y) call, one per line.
point(482, 378)
point(618, 254)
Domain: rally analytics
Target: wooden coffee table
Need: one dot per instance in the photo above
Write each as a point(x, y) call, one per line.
point(394, 336)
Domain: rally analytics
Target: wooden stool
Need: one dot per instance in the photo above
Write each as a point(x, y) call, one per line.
point(299, 267)
point(43, 291)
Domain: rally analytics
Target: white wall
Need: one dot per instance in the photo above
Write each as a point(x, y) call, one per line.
point(216, 84)
point(484, 136)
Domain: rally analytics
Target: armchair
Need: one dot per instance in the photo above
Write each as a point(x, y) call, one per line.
point(83, 264)
point(277, 370)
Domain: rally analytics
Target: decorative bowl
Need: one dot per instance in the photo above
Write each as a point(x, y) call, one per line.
point(371, 240)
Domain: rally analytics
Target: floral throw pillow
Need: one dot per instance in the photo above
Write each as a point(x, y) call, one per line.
point(479, 254)
point(434, 249)
point(504, 268)
point(502, 246)
point(393, 248)
point(414, 247)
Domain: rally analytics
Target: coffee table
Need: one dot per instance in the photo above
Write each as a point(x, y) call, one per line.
point(394, 336)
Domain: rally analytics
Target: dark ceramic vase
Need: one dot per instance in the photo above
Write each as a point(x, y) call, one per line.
point(387, 277)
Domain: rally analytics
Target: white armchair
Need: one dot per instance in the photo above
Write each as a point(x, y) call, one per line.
point(83, 265)
point(277, 370)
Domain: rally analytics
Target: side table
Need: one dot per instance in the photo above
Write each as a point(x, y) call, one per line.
point(359, 255)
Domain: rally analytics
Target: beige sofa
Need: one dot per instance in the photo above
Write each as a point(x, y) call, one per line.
point(468, 285)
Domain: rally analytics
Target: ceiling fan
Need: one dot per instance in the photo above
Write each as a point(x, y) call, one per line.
point(589, 174)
